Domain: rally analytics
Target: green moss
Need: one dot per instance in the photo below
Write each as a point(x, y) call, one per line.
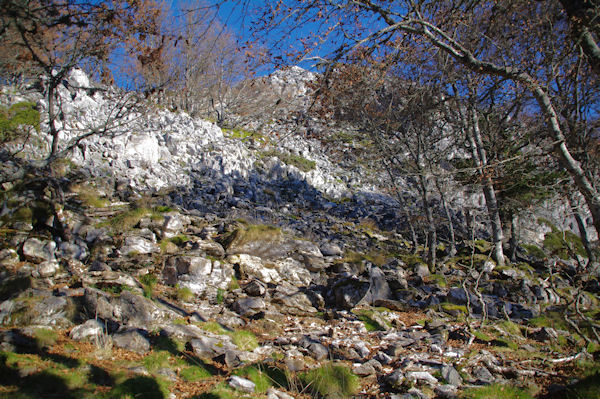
point(550, 319)
point(127, 220)
point(496, 391)
point(245, 135)
point(140, 387)
point(299, 162)
point(367, 316)
point(330, 381)
point(480, 335)
point(45, 337)
point(156, 360)
point(534, 250)
point(194, 373)
point(214, 327)
point(510, 327)
point(223, 391)
point(244, 340)
point(588, 387)
point(563, 244)
point(452, 308)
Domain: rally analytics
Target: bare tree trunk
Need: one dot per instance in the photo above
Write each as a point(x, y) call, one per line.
point(514, 239)
point(452, 251)
point(480, 157)
point(431, 230)
point(585, 240)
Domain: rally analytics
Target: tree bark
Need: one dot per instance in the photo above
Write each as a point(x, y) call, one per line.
point(480, 157)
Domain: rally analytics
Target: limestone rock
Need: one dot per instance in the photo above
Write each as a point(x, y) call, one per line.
point(39, 251)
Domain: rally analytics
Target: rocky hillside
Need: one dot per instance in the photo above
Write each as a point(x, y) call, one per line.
point(186, 260)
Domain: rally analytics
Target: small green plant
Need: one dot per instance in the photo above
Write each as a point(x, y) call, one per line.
point(149, 282)
point(45, 337)
point(244, 340)
point(299, 162)
point(496, 391)
point(156, 360)
point(214, 327)
point(184, 294)
point(220, 295)
point(330, 381)
point(194, 373)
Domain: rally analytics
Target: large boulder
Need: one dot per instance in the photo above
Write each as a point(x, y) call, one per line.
point(37, 250)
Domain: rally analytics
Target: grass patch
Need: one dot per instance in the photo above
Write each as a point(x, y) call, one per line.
point(214, 327)
point(496, 391)
point(245, 340)
point(140, 387)
point(45, 337)
point(127, 220)
point(156, 360)
point(149, 282)
point(263, 376)
point(330, 381)
point(305, 165)
point(563, 244)
point(251, 233)
point(194, 373)
point(550, 319)
point(184, 294)
point(366, 316)
point(89, 197)
point(223, 391)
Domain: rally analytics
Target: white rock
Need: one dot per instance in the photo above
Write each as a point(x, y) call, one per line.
point(419, 376)
point(90, 329)
point(241, 384)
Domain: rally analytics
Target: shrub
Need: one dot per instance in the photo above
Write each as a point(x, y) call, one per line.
point(330, 381)
point(13, 119)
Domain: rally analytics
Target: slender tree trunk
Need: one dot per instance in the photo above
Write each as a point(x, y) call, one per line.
point(585, 240)
point(431, 230)
point(452, 251)
point(480, 157)
point(514, 239)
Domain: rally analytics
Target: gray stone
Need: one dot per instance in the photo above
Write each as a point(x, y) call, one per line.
point(74, 250)
point(249, 306)
point(395, 379)
point(131, 339)
point(482, 375)
point(89, 330)
point(421, 270)
point(253, 266)
point(446, 392)
point(241, 384)
point(369, 368)
point(138, 245)
point(329, 249)
point(544, 334)
point(48, 268)
point(39, 251)
point(273, 393)
point(451, 376)
point(255, 288)
point(174, 223)
point(379, 289)
point(9, 257)
point(421, 376)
